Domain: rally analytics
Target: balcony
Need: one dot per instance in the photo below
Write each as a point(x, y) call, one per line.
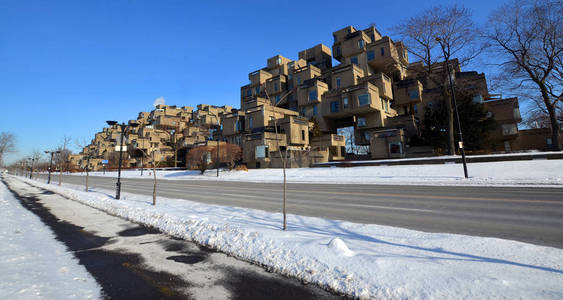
point(384, 56)
point(408, 92)
point(259, 77)
point(360, 99)
point(328, 140)
point(164, 122)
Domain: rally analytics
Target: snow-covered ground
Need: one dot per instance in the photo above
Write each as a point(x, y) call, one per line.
point(367, 261)
point(530, 173)
point(33, 265)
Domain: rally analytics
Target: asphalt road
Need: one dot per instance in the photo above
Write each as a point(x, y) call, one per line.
point(533, 215)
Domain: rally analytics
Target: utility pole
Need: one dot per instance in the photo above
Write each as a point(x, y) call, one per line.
point(452, 91)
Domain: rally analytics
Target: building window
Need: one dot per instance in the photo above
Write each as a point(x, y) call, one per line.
point(338, 51)
point(372, 37)
point(382, 51)
point(385, 104)
point(509, 129)
point(334, 106)
point(303, 135)
point(313, 96)
point(249, 92)
point(334, 36)
point(364, 100)
point(277, 99)
point(250, 123)
point(362, 122)
point(345, 103)
point(257, 90)
point(298, 79)
point(413, 94)
point(361, 44)
point(516, 113)
point(315, 110)
point(337, 82)
point(549, 142)
point(354, 60)
point(275, 86)
point(279, 61)
point(367, 136)
point(415, 108)
point(371, 55)
point(396, 148)
point(303, 111)
point(477, 99)
point(507, 146)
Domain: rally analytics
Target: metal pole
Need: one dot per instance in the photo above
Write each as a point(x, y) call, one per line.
point(50, 166)
point(175, 149)
point(31, 171)
point(118, 192)
point(142, 164)
point(217, 156)
point(461, 147)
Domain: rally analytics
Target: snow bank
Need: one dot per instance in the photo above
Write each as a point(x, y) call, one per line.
point(507, 173)
point(365, 261)
point(33, 265)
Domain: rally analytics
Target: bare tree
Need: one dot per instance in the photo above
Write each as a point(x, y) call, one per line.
point(200, 157)
point(527, 37)
point(454, 28)
point(35, 160)
point(62, 156)
point(228, 153)
point(282, 157)
point(7, 144)
point(88, 152)
point(154, 164)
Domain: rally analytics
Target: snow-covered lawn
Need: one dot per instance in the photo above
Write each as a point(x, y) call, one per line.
point(367, 261)
point(532, 172)
point(33, 265)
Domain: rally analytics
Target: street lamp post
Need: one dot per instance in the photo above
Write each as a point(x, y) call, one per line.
point(123, 127)
point(51, 164)
point(461, 147)
point(218, 162)
point(31, 169)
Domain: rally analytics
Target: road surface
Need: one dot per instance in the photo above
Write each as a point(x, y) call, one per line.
point(533, 215)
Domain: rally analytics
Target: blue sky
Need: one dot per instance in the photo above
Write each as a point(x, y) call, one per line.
point(68, 66)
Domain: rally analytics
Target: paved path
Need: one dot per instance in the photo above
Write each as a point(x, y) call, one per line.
point(533, 215)
point(130, 261)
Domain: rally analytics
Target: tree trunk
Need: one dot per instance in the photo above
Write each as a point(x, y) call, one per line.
point(555, 140)
point(284, 189)
point(450, 115)
point(154, 186)
point(86, 179)
point(60, 174)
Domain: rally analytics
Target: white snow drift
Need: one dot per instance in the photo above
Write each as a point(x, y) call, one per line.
point(367, 261)
point(531, 173)
point(33, 265)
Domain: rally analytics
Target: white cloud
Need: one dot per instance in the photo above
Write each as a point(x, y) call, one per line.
point(159, 100)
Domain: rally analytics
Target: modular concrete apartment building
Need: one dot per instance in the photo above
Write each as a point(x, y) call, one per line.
point(296, 107)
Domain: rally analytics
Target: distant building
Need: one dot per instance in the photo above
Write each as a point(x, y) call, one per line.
point(295, 108)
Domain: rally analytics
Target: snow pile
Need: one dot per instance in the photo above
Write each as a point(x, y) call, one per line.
point(531, 173)
point(32, 263)
point(366, 261)
point(340, 248)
